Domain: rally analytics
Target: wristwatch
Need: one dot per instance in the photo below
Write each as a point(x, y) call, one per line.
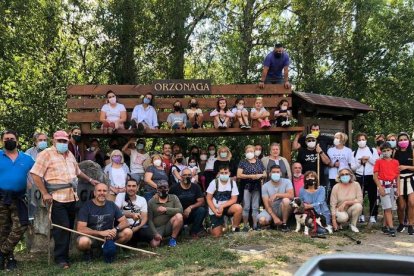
point(117, 229)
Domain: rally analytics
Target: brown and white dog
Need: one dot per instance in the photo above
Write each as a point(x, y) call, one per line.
point(308, 218)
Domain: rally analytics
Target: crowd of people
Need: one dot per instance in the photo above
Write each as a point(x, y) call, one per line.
point(154, 198)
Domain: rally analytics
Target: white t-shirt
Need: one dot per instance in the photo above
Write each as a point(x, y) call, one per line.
point(368, 169)
point(113, 114)
point(221, 188)
point(139, 203)
point(137, 161)
point(210, 163)
point(119, 176)
point(344, 156)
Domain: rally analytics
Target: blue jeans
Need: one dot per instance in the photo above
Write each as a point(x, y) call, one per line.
point(196, 218)
point(274, 80)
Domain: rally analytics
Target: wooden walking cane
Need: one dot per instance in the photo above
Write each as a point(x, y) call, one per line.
point(49, 218)
point(102, 240)
point(318, 166)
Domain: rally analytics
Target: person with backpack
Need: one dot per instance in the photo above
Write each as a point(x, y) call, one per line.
point(363, 166)
point(222, 201)
point(175, 172)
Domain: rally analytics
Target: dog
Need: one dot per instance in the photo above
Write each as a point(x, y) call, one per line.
point(308, 218)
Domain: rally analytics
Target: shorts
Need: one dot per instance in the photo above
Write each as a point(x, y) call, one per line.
point(276, 208)
point(165, 230)
point(218, 221)
point(95, 243)
point(388, 201)
point(405, 184)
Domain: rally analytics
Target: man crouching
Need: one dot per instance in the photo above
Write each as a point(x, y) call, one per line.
point(96, 218)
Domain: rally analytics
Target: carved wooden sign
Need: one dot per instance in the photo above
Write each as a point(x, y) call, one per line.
point(181, 87)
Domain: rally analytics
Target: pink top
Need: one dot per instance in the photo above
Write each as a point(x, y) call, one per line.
point(298, 184)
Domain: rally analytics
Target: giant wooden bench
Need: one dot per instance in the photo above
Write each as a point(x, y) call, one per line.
point(85, 101)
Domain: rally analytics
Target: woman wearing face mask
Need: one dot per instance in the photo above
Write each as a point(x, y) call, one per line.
point(202, 166)
point(117, 172)
point(258, 151)
point(346, 200)
point(340, 156)
point(379, 140)
point(178, 119)
point(251, 173)
point(241, 114)
point(154, 174)
point(113, 114)
point(224, 157)
point(404, 155)
point(209, 168)
point(195, 114)
point(138, 157)
point(275, 159)
point(313, 196)
point(144, 116)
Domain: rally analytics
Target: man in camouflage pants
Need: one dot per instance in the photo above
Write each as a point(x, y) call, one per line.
point(14, 168)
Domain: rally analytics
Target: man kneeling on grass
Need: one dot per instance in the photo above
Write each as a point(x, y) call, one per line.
point(165, 215)
point(221, 199)
point(96, 218)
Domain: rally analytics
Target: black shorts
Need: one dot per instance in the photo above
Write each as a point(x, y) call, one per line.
point(218, 221)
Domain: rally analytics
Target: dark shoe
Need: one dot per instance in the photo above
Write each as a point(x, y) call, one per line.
point(237, 229)
point(245, 229)
point(11, 263)
point(257, 228)
point(87, 256)
point(400, 228)
point(2, 261)
point(410, 230)
point(392, 232)
point(140, 128)
point(385, 230)
point(196, 126)
point(285, 228)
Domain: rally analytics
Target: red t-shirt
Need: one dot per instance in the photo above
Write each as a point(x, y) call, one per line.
point(387, 169)
point(166, 163)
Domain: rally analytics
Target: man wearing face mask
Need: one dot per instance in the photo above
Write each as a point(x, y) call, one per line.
point(138, 157)
point(55, 174)
point(192, 200)
point(276, 194)
point(144, 115)
point(75, 139)
point(14, 168)
point(363, 166)
point(308, 158)
point(322, 140)
point(274, 63)
point(165, 215)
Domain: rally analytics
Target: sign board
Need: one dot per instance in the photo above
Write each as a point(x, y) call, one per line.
point(181, 87)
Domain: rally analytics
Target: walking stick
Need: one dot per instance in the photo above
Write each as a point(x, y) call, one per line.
point(318, 167)
point(49, 218)
point(102, 240)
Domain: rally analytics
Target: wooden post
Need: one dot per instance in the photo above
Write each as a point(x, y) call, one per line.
point(286, 146)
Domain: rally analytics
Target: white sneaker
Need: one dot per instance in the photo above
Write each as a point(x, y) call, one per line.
point(361, 218)
point(372, 219)
point(354, 228)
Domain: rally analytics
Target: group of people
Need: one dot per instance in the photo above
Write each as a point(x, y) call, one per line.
point(154, 198)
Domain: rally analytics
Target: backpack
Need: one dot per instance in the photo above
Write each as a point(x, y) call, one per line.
point(370, 149)
point(171, 178)
point(223, 195)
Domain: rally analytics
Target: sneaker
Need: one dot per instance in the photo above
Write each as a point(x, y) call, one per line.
point(11, 263)
point(237, 229)
point(245, 229)
point(172, 242)
point(222, 125)
point(354, 228)
point(242, 126)
point(392, 232)
point(410, 230)
point(247, 126)
point(263, 124)
point(140, 128)
point(400, 228)
point(372, 219)
point(285, 228)
point(2, 259)
point(385, 230)
point(362, 218)
point(87, 256)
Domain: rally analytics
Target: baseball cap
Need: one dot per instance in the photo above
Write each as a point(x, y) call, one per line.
point(310, 135)
point(61, 135)
point(162, 183)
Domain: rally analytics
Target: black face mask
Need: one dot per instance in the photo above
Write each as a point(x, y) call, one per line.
point(310, 182)
point(10, 145)
point(177, 108)
point(187, 180)
point(278, 55)
point(179, 160)
point(162, 193)
point(193, 105)
point(379, 143)
point(77, 138)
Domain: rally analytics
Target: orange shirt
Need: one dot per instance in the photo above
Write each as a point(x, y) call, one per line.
point(387, 169)
point(57, 168)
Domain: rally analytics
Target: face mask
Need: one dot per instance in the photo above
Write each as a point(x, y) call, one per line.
point(177, 108)
point(92, 148)
point(162, 193)
point(157, 163)
point(311, 145)
point(77, 138)
point(275, 177)
point(393, 144)
point(249, 155)
point(362, 144)
point(140, 146)
point(297, 175)
point(146, 100)
point(10, 145)
point(379, 142)
point(42, 145)
point(116, 159)
point(283, 107)
point(257, 152)
point(179, 160)
point(193, 104)
point(310, 182)
point(62, 147)
point(224, 177)
point(203, 157)
point(315, 133)
point(387, 154)
point(345, 178)
point(223, 154)
point(192, 164)
point(403, 144)
point(278, 55)
point(212, 152)
point(187, 180)
point(112, 100)
point(240, 106)
point(336, 142)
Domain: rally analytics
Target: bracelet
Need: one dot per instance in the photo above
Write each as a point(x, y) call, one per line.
point(90, 179)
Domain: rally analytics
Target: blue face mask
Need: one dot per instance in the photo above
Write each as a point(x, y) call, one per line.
point(393, 144)
point(146, 100)
point(62, 147)
point(223, 154)
point(275, 177)
point(42, 145)
point(224, 177)
point(345, 178)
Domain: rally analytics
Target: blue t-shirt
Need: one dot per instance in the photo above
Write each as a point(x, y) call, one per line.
point(99, 218)
point(276, 65)
point(13, 175)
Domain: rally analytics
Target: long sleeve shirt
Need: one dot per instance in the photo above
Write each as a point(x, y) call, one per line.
point(155, 218)
point(358, 167)
point(147, 116)
point(341, 193)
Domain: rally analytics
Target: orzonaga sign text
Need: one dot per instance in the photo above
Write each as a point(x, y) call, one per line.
point(181, 87)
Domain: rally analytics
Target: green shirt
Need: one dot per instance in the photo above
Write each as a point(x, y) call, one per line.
point(156, 219)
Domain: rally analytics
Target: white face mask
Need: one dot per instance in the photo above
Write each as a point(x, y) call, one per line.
point(240, 107)
point(192, 164)
point(93, 148)
point(362, 144)
point(297, 175)
point(112, 100)
point(336, 142)
point(283, 107)
point(212, 152)
point(311, 144)
point(203, 157)
point(257, 152)
point(249, 155)
point(157, 163)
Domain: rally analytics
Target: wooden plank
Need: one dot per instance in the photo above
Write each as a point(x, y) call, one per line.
point(286, 146)
point(141, 89)
point(166, 103)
